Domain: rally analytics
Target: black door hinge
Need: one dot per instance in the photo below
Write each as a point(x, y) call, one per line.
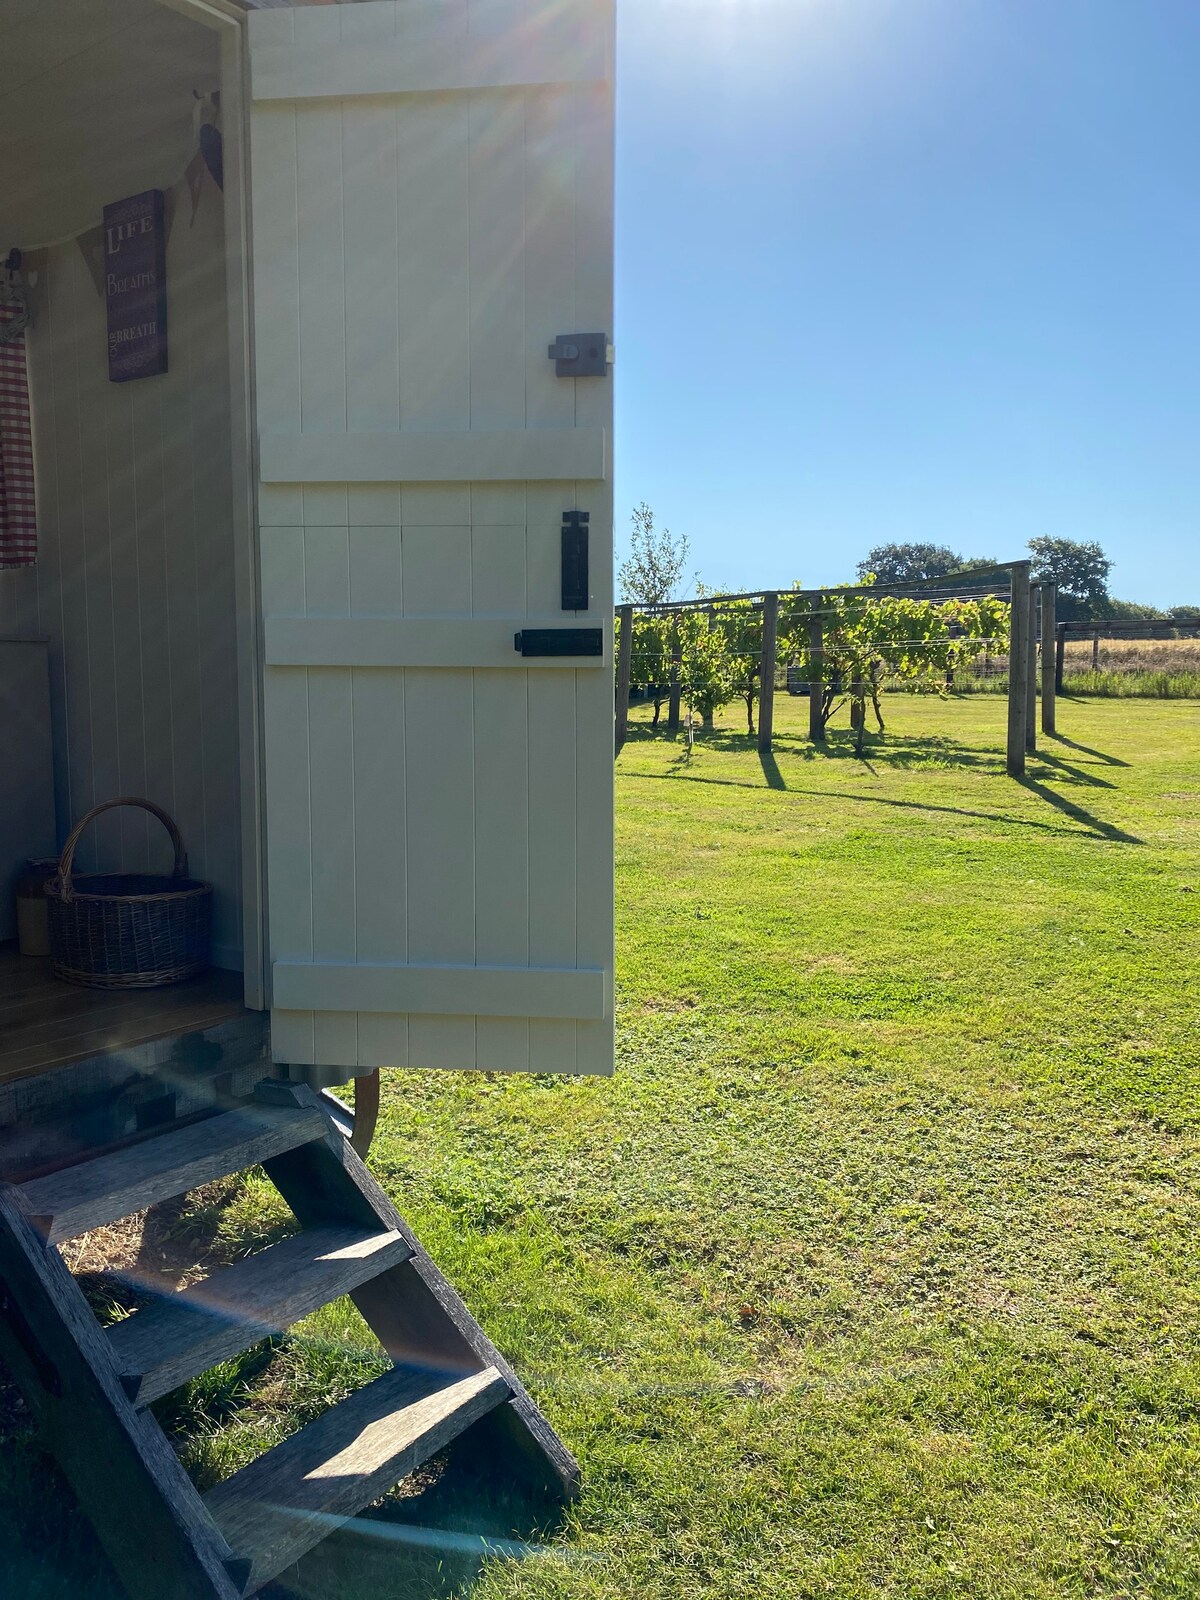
point(581, 355)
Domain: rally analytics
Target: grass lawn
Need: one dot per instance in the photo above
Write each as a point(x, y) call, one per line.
point(874, 1271)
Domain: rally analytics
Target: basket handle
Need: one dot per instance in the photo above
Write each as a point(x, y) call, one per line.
point(65, 887)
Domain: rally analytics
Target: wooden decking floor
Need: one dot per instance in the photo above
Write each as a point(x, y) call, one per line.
point(45, 1023)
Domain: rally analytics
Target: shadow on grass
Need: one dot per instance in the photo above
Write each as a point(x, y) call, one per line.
point(50, 1549)
point(1099, 830)
point(1073, 773)
point(896, 753)
point(1086, 750)
point(430, 1545)
point(771, 770)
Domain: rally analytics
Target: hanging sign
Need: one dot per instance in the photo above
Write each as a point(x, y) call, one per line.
point(135, 286)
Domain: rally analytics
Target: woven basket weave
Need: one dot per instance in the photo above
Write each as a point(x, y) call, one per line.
point(128, 930)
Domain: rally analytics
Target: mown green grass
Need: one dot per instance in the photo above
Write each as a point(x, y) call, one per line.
point(873, 1272)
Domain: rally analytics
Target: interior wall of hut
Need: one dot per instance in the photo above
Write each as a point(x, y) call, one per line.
point(134, 581)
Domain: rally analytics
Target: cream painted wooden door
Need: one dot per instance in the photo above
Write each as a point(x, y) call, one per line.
point(431, 208)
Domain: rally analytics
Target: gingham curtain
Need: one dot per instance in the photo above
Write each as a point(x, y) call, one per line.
point(18, 519)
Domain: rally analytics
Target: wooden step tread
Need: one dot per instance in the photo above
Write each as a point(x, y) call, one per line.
point(112, 1186)
point(279, 1506)
point(184, 1334)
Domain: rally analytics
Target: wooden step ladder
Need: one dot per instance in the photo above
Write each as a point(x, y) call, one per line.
point(89, 1387)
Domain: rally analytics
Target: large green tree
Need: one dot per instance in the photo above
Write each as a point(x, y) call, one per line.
point(1135, 611)
point(1081, 572)
point(909, 563)
point(916, 563)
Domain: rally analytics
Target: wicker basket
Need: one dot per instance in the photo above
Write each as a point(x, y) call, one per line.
point(127, 930)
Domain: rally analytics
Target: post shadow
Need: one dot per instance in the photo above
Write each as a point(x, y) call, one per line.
point(685, 776)
point(1101, 830)
point(771, 770)
point(1077, 774)
point(1086, 750)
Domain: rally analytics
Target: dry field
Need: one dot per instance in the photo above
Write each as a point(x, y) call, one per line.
point(1159, 669)
point(1135, 655)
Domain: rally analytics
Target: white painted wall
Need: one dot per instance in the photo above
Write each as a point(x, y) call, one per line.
point(135, 581)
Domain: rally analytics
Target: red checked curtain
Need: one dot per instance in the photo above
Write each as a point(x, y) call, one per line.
point(18, 518)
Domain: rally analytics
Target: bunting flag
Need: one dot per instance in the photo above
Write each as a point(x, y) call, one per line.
point(194, 178)
point(18, 519)
point(91, 247)
point(204, 169)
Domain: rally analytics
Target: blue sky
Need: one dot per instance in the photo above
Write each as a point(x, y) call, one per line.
point(911, 269)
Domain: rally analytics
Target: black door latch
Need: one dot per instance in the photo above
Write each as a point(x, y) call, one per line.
point(560, 641)
point(575, 595)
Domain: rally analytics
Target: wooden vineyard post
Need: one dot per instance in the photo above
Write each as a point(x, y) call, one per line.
point(766, 673)
point(709, 720)
point(816, 676)
point(1050, 637)
point(1060, 657)
point(673, 699)
point(624, 671)
point(1018, 668)
point(1031, 646)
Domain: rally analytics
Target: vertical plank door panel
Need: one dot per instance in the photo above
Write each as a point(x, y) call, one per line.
point(433, 261)
point(416, 254)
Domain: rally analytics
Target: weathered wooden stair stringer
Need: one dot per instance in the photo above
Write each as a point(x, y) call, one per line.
point(277, 1508)
point(414, 1312)
point(129, 1481)
point(88, 1387)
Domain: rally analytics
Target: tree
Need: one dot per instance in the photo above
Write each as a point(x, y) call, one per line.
point(1134, 611)
point(707, 671)
point(653, 570)
point(908, 563)
point(741, 623)
point(1081, 572)
point(650, 659)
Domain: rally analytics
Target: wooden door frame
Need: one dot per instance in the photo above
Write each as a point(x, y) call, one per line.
point(227, 20)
